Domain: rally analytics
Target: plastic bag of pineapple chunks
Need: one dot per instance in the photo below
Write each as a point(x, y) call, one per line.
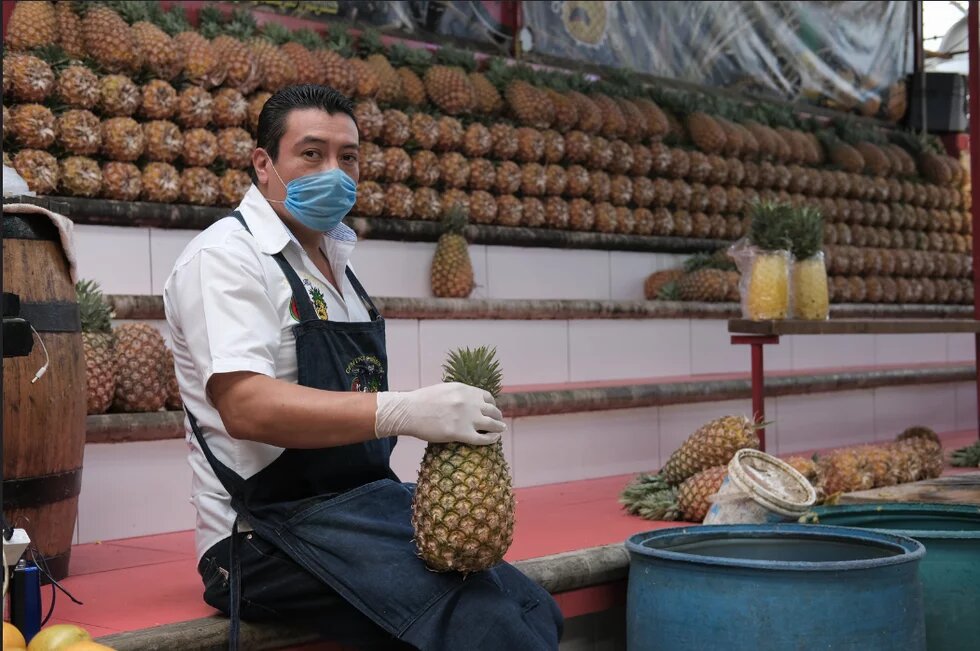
point(810, 296)
point(764, 286)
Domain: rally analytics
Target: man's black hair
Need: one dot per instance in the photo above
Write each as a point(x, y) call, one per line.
point(272, 119)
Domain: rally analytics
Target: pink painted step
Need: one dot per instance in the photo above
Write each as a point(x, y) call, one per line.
point(138, 583)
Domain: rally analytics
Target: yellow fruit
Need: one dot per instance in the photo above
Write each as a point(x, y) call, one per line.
point(811, 298)
point(12, 639)
point(768, 289)
point(57, 637)
point(88, 645)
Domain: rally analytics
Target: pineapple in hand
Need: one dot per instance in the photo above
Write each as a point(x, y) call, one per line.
point(767, 267)
point(811, 298)
point(463, 508)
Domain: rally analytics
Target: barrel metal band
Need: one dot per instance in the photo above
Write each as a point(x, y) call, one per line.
point(52, 316)
point(32, 492)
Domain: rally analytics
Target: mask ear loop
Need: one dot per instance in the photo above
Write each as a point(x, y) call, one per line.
point(273, 165)
point(47, 360)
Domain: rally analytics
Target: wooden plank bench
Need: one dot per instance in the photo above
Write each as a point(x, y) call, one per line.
point(758, 334)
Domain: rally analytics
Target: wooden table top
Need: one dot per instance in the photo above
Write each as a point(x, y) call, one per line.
point(852, 326)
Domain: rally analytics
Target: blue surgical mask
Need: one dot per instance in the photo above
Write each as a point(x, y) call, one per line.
point(319, 201)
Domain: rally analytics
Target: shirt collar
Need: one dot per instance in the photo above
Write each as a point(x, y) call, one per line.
point(272, 235)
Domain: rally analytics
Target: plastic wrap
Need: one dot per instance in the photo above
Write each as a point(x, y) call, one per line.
point(764, 286)
point(845, 54)
point(811, 296)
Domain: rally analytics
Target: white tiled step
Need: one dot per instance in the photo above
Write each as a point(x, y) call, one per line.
point(142, 258)
point(135, 489)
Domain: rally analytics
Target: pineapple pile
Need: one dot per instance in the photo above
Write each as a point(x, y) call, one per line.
point(915, 454)
point(123, 100)
point(692, 474)
point(127, 368)
point(463, 508)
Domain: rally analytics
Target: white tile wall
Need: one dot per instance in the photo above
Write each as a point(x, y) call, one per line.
point(547, 273)
point(165, 247)
point(966, 406)
point(816, 351)
point(628, 270)
point(960, 348)
point(567, 447)
point(932, 405)
point(824, 420)
point(619, 349)
point(394, 268)
point(403, 354)
point(909, 349)
point(712, 350)
point(530, 352)
point(117, 258)
point(134, 489)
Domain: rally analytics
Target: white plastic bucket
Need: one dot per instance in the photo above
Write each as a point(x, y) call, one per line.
point(760, 488)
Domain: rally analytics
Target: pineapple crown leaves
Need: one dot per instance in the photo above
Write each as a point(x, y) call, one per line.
point(131, 11)
point(650, 497)
point(96, 314)
point(498, 72)
point(768, 230)
point(308, 38)
point(476, 367)
point(174, 21)
point(804, 228)
point(451, 56)
point(455, 221)
point(698, 261)
point(277, 33)
point(340, 42)
point(669, 292)
point(416, 59)
point(213, 22)
point(370, 42)
point(966, 457)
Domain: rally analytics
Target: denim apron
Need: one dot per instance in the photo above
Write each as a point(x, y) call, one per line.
point(343, 515)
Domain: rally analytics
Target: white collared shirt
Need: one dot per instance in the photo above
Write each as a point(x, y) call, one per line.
point(228, 305)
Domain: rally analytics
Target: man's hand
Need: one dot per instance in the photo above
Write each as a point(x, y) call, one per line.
point(441, 413)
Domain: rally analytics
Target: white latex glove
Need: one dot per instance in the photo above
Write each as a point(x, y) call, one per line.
point(442, 413)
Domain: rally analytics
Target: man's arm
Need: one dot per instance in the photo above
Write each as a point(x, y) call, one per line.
point(259, 408)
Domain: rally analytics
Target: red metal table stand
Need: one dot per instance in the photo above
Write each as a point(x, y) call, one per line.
point(758, 379)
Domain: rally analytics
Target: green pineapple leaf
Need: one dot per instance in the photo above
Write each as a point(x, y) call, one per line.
point(804, 227)
point(475, 367)
point(769, 228)
point(95, 312)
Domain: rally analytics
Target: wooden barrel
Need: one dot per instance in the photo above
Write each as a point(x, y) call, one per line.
point(44, 422)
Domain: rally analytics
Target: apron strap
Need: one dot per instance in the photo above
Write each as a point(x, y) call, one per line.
point(228, 477)
point(302, 299)
point(363, 295)
point(235, 589)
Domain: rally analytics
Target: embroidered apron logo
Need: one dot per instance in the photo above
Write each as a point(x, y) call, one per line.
point(316, 296)
point(367, 372)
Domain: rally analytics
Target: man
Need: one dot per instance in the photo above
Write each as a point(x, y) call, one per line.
point(282, 367)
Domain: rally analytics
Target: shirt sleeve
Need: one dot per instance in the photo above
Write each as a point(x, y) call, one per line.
point(224, 311)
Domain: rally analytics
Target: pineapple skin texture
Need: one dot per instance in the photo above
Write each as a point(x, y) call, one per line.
point(463, 511)
point(693, 494)
point(811, 298)
point(713, 444)
point(767, 295)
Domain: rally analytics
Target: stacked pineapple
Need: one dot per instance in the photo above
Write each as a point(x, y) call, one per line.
point(692, 474)
point(915, 454)
point(139, 104)
point(127, 368)
point(124, 101)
